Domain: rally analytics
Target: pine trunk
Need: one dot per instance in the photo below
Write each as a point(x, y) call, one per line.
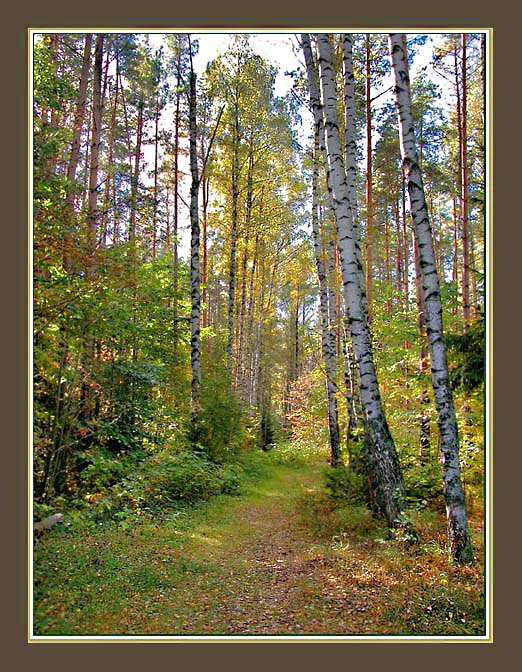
point(155, 204)
point(92, 206)
point(387, 270)
point(135, 178)
point(79, 118)
point(107, 195)
point(464, 187)
point(205, 186)
point(233, 239)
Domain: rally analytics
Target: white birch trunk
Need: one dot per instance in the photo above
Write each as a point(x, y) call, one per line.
point(383, 463)
point(195, 276)
point(350, 131)
point(328, 340)
point(458, 533)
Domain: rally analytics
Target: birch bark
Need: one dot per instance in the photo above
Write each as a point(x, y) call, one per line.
point(350, 134)
point(175, 219)
point(195, 279)
point(328, 343)
point(383, 463)
point(369, 180)
point(458, 532)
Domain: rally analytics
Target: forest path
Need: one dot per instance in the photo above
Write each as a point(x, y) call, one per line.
point(245, 565)
point(252, 566)
point(260, 570)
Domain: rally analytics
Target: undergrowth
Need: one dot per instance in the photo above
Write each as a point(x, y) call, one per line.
point(413, 588)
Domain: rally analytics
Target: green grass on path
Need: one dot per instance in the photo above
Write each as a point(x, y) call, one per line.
point(251, 564)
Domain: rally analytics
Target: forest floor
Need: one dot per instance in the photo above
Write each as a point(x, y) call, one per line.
point(276, 560)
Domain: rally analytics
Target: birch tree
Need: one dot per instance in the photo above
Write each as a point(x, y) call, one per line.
point(195, 274)
point(327, 334)
point(383, 464)
point(458, 532)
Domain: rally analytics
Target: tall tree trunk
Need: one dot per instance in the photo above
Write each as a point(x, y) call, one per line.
point(85, 154)
point(250, 318)
point(383, 463)
point(351, 136)
point(106, 198)
point(327, 340)
point(334, 286)
point(387, 268)
point(455, 255)
point(175, 222)
point(351, 182)
point(205, 190)
point(458, 532)
point(167, 220)
point(135, 178)
point(240, 369)
point(404, 243)
point(92, 221)
point(52, 120)
point(233, 237)
point(458, 220)
point(473, 279)
point(398, 258)
point(92, 206)
point(155, 205)
point(464, 187)
point(424, 433)
point(369, 180)
point(72, 165)
point(239, 375)
point(195, 279)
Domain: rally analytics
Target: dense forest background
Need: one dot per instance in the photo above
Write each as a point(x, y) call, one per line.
point(188, 282)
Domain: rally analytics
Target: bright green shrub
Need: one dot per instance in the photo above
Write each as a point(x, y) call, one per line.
point(344, 485)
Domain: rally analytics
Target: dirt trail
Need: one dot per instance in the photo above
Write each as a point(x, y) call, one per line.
point(261, 571)
point(249, 565)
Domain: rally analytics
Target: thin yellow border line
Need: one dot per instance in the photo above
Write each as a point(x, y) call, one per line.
point(283, 639)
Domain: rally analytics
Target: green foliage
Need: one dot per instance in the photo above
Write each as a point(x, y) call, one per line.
point(307, 414)
point(161, 483)
point(423, 485)
point(221, 428)
point(104, 469)
point(466, 356)
point(177, 478)
point(297, 452)
point(330, 519)
point(343, 485)
point(132, 405)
